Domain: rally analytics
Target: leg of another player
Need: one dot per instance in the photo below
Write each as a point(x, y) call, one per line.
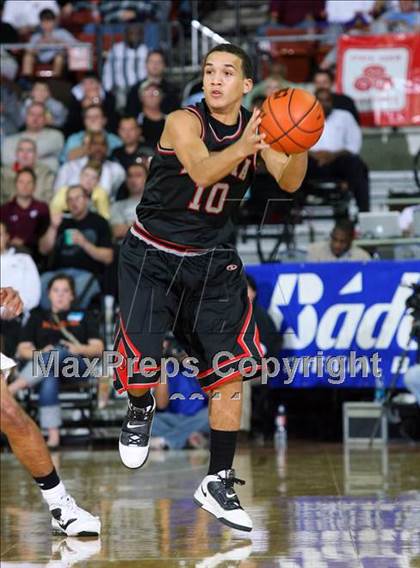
point(216, 493)
point(29, 447)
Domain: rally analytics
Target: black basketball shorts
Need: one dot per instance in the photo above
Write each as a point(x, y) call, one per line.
point(201, 298)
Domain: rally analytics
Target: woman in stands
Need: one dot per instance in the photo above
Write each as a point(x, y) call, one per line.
point(65, 338)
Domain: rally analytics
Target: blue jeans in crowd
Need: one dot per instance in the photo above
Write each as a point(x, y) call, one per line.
point(48, 387)
point(177, 428)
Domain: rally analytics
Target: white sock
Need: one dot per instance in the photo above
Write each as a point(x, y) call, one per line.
point(53, 496)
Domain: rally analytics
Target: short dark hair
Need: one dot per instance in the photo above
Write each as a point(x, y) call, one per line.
point(324, 72)
point(138, 165)
point(47, 14)
point(127, 117)
point(76, 186)
point(346, 226)
point(62, 276)
point(85, 110)
point(247, 69)
point(29, 171)
point(156, 52)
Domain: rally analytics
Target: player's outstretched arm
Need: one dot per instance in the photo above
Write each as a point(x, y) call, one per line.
point(288, 171)
point(182, 133)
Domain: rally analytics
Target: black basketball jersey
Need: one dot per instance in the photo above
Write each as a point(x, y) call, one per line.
point(175, 209)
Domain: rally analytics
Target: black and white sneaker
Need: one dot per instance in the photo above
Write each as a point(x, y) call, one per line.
point(135, 435)
point(70, 519)
point(216, 495)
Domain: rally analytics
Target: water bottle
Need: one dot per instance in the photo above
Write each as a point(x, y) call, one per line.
point(280, 435)
point(379, 390)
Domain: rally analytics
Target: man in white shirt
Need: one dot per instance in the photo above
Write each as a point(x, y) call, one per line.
point(335, 155)
point(112, 173)
point(49, 142)
point(25, 16)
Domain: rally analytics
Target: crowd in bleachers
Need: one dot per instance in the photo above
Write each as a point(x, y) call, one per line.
point(76, 145)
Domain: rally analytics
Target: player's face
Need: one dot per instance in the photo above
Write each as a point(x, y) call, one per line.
point(223, 80)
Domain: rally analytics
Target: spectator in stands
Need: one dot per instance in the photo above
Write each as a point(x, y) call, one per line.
point(18, 270)
point(406, 221)
point(25, 18)
point(123, 212)
point(115, 11)
point(133, 148)
point(56, 112)
point(81, 246)
point(273, 82)
point(49, 34)
point(112, 174)
point(292, 14)
point(26, 157)
point(344, 13)
point(335, 155)
point(49, 142)
point(94, 121)
point(151, 119)
point(180, 420)
point(401, 17)
point(26, 218)
point(155, 68)
point(58, 331)
point(89, 181)
point(339, 247)
point(126, 63)
point(323, 79)
point(85, 94)
point(10, 105)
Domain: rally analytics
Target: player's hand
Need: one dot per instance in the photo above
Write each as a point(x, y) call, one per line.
point(11, 303)
point(251, 140)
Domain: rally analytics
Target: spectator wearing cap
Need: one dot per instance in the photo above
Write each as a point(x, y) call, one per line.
point(336, 154)
point(80, 245)
point(126, 63)
point(123, 212)
point(112, 173)
point(56, 112)
point(339, 247)
point(155, 73)
point(49, 142)
point(25, 217)
point(26, 157)
point(85, 94)
point(49, 34)
point(151, 119)
point(133, 148)
point(94, 120)
point(89, 181)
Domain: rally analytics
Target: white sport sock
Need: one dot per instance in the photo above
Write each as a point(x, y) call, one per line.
point(53, 496)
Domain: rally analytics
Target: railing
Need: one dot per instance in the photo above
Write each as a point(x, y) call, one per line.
point(80, 54)
point(202, 39)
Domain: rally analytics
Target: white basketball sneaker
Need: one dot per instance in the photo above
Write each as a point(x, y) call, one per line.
point(71, 520)
point(135, 435)
point(216, 495)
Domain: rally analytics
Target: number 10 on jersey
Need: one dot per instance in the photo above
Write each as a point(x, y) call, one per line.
point(215, 200)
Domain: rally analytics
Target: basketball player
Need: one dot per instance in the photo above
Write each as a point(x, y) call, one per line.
point(30, 449)
point(178, 271)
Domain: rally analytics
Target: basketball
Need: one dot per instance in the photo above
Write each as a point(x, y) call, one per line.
point(292, 119)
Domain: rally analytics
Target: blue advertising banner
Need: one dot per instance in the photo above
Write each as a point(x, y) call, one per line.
point(342, 323)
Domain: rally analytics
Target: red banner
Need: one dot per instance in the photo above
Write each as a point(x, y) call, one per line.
point(382, 74)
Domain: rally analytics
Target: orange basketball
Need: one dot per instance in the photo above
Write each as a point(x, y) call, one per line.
point(292, 119)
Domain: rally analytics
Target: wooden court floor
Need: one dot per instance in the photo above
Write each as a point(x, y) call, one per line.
point(314, 506)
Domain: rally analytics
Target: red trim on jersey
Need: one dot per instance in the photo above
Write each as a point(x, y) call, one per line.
point(231, 136)
point(140, 230)
point(195, 111)
point(165, 151)
point(257, 341)
point(230, 377)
